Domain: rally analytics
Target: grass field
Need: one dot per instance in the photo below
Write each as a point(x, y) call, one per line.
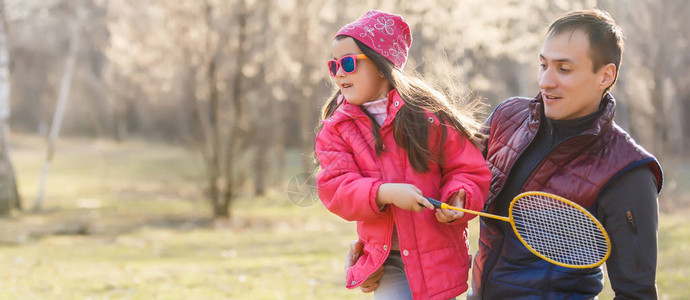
point(127, 221)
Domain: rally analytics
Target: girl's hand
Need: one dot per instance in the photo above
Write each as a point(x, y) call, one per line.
point(449, 215)
point(403, 195)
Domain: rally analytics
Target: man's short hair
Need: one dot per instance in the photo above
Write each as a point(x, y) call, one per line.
point(605, 36)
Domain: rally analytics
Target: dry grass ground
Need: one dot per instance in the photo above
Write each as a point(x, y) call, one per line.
point(127, 221)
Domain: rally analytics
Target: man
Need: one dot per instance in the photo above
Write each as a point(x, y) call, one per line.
point(565, 142)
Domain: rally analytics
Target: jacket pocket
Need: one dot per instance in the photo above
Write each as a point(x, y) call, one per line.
point(445, 269)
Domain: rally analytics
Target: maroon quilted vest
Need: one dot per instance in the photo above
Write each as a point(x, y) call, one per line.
point(578, 168)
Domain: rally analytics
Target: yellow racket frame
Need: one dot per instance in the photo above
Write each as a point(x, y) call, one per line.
point(570, 203)
point(517, 233)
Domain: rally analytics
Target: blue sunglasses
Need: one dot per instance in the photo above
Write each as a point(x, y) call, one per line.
point(348, 62)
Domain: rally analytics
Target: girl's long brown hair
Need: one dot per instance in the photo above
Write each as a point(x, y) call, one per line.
point(410, 127)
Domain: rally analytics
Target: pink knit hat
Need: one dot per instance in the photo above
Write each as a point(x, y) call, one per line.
point(387, 34)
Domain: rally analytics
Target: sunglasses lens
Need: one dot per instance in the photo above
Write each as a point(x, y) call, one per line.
point(333, 67)
point(348, 64)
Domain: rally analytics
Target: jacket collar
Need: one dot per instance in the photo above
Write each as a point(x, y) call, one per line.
point(600, 125)
point(346, 111)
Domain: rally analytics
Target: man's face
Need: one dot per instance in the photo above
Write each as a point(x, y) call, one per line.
point(569, 86)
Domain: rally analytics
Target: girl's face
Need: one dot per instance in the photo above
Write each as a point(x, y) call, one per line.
point(363, 85)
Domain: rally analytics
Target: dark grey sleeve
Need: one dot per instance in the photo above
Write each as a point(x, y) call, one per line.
point(628, 209)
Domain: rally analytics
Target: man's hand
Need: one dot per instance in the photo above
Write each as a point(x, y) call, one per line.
point(449, 215)
point(370, 284)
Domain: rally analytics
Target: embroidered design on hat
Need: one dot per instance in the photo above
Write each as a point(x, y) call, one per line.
point(387, 34)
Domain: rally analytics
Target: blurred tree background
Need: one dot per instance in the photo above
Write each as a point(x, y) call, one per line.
point(239, 85)
point(242, 81)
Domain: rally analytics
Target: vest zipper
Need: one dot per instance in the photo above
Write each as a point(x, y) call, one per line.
point(631, 221)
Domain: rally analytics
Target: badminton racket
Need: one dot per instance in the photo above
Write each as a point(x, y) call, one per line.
point(553, 228)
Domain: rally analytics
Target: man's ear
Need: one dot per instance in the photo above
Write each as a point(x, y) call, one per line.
point(608, 73)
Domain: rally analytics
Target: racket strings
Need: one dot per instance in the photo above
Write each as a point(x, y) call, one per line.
point(559, 231)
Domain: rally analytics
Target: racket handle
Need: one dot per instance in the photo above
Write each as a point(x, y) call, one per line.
point(441, 205)
point(434, 202)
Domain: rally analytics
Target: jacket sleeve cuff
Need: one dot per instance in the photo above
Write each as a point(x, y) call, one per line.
point(372, 198)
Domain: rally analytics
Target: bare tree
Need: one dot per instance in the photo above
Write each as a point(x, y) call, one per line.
point(63, 97)
point(657, 56)
point(9, 196)
point(247, 77)
point(239, 133)
point(224, 149)
point(265, 122)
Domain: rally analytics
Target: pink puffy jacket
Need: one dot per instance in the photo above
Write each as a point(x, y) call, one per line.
point(435, 254)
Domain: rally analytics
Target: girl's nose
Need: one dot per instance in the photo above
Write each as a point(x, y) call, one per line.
point(340, 72)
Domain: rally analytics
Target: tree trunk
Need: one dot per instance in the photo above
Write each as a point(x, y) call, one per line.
point(280, 114)
point(9, 196)
point(213, 131)
point(234, 179)
point(660, 130)
point(60, 107)
point(214, 163)
point(262, 149)
point(306, 103)
point(659, 97)
point(265, 120)
point(184, 124)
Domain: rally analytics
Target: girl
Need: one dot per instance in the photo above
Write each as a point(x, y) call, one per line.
point(386, 141)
